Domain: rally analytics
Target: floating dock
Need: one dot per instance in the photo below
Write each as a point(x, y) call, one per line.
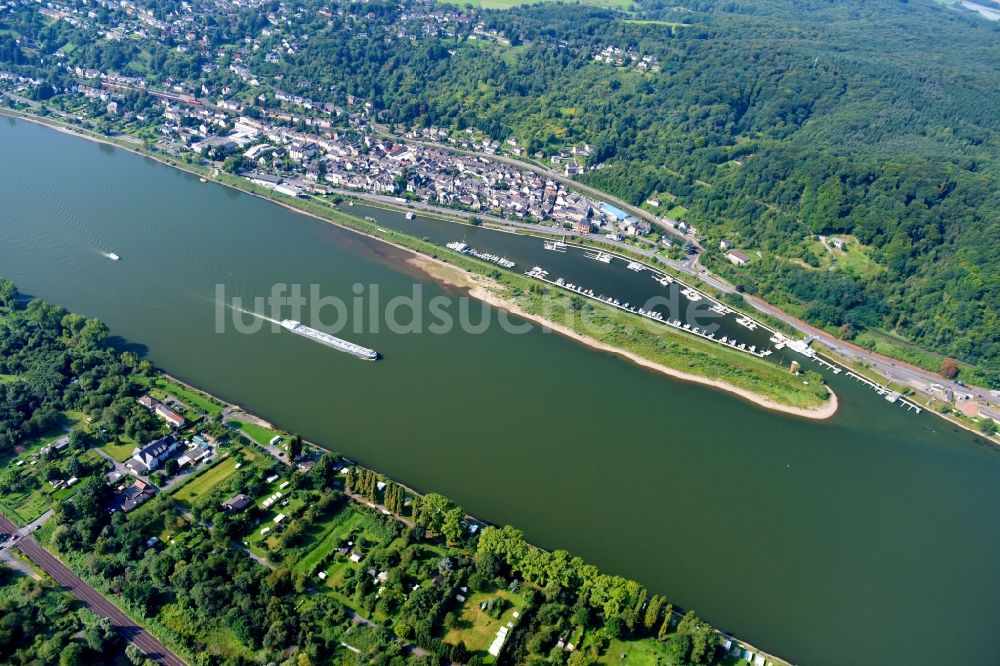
point(329, 340)
point(540, 274)
point(890, 395)
point(462, 247)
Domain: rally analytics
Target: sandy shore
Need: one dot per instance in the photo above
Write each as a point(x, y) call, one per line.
point(479, 289)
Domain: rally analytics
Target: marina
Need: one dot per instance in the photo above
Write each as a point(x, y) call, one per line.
point(554, 246)
point(653, 315)
point(777, 340)
point(890, 396)
point(462, 247)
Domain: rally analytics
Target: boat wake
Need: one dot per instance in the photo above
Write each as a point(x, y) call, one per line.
point(256, 314)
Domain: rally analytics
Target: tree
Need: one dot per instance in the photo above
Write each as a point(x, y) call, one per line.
point(433, 508)
point(93, 334)
point(677, 649)
point(8, 293)
point(294, 447)
point(614, 626)
point(488, 565)
point(101, 636)
point(988, 426)
point(452, 526)
point(72, 655)
point(665, 627)
point(652, 618)
point(948, 369)
point(80, 439)
point(135, 655)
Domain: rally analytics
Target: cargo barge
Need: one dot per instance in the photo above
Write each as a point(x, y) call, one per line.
point(329, 340)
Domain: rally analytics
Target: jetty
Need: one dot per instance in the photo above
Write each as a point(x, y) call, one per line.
point(664, 279)
point(460, 246)
point(891, 396)
point(598, 255)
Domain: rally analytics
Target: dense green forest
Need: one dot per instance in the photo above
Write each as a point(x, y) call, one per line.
point(41, 624)
point(769, 122)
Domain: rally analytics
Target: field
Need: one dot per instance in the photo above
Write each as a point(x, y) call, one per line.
point(259, 434)
point(291, 505)
point(335, 530)
point(190, 398)
point(7, 379)
point(477, 629)
point(26, 508)
point(677, 213)
point(31, 503)
point(204, 481)
point(120, 450)
point(852, 259)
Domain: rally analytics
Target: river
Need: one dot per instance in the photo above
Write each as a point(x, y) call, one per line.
point(870, 538)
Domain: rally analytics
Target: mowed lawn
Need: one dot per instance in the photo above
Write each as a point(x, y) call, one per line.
point(204, 481)
point(259, 434)
point(188, 397)
point(334, 531)
point(640, 653)
point(477, 629)
point(120, 451)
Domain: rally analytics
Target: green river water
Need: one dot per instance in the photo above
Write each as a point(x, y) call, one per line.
point(866, 539)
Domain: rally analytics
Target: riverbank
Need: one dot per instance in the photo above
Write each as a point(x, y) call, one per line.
point(456, 278)
point(671, 353)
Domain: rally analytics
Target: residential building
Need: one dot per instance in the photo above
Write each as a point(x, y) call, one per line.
point(737, 257)
point(149, 458)
point(237, 503)
point(169, 415)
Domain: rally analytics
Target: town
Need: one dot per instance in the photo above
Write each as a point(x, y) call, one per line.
point(297, 146)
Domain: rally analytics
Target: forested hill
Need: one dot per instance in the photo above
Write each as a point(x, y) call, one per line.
point(871, 118)
point(768, 123)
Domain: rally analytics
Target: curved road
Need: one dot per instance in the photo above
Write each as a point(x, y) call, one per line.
point(94, 600)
